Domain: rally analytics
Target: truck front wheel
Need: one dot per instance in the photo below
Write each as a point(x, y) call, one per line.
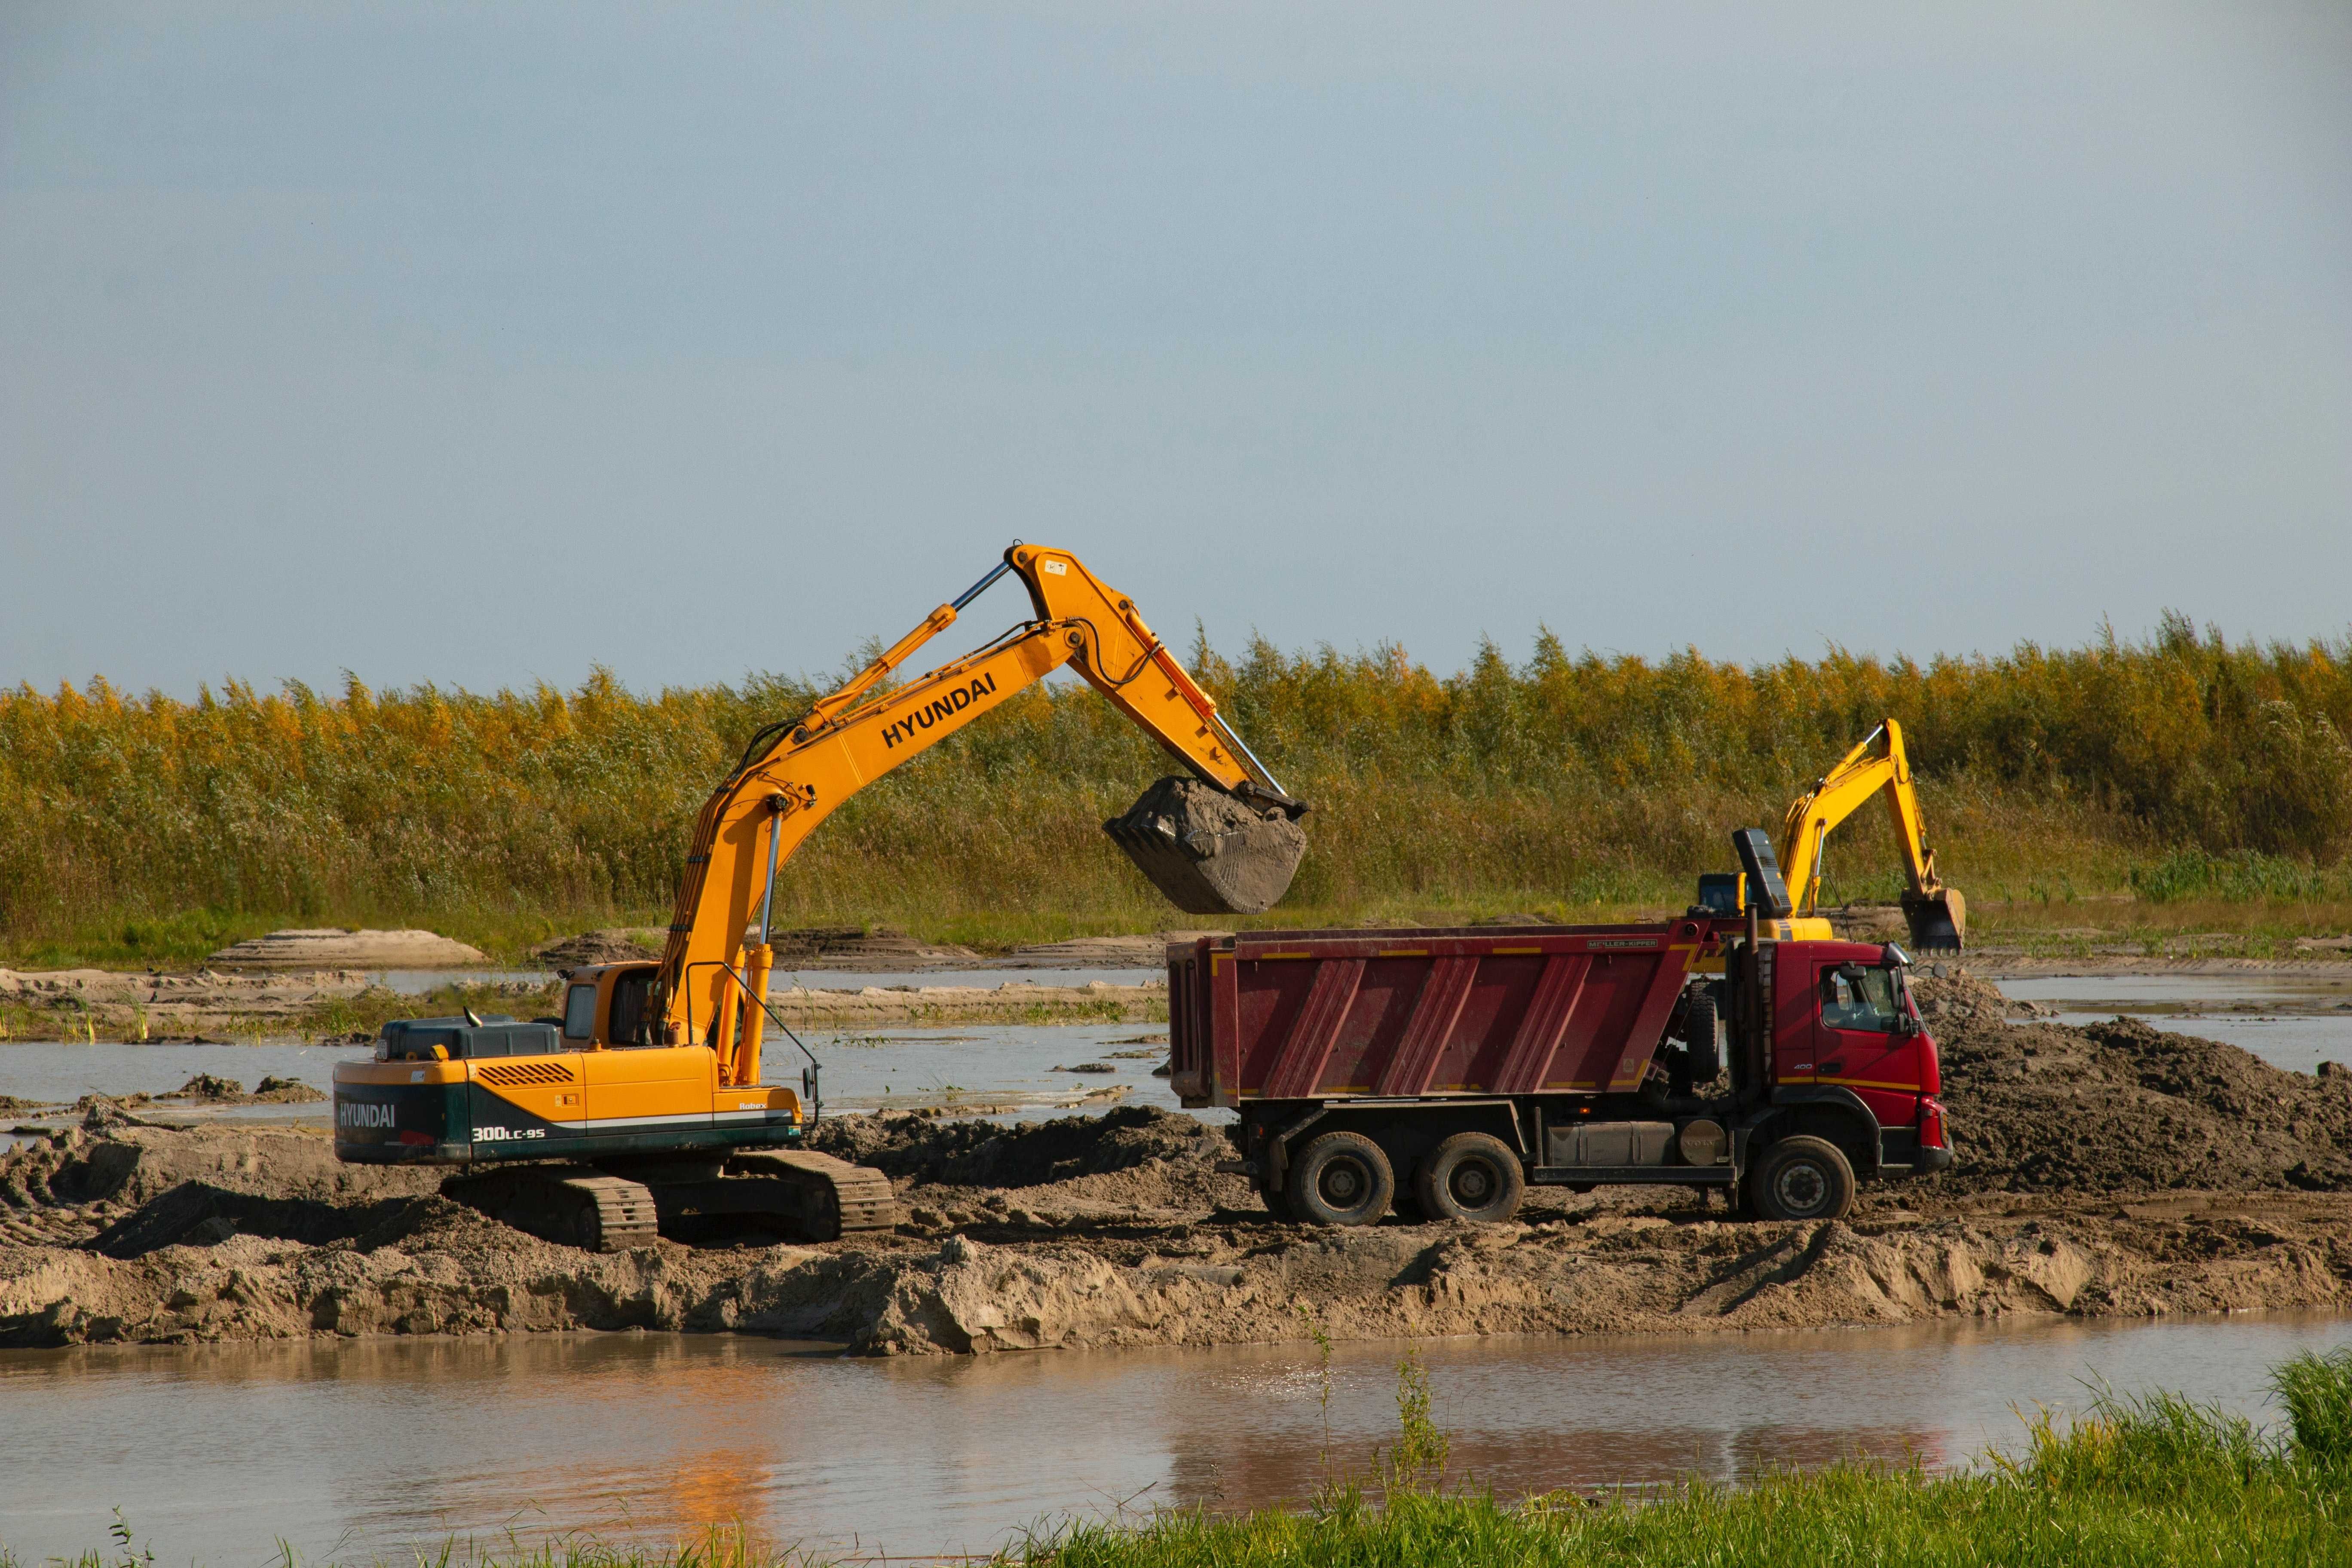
point(1340, 1178)
point(1472, 1176)
point(1800, 1179)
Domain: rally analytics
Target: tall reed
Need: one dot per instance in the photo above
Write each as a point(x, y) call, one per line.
point(1561, 780)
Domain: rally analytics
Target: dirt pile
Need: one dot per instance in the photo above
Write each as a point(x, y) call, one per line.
point(126, 1166)
point(2122, 1107)
point(879, 948)
point(594, 947)
point(1210, 853)
point(1121, 1230)
point(204, 1089)
point(921, 1150)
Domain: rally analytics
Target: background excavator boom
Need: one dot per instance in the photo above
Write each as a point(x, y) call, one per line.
point(1937, 915)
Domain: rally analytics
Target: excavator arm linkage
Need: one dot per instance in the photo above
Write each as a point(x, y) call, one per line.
point(1937, 914)
point(717, 958)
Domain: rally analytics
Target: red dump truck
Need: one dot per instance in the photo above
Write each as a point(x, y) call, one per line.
point(1453, 1067)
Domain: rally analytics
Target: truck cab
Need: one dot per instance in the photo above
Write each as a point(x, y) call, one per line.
point(1846, 1057)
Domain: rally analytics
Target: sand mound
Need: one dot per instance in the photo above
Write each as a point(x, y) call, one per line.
point(130, 1164)
point(2122, 1107)
point(329, 948)
point(1118, 1232)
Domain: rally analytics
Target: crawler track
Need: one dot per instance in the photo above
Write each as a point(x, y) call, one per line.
point(567, 1204)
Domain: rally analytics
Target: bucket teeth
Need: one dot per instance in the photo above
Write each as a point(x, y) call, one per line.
point(1209, 852)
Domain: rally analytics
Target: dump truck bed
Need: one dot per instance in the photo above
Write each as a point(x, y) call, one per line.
point(1452, 1010)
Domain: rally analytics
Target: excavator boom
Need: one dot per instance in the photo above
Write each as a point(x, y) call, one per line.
point(715, 964)
point(1937, 914)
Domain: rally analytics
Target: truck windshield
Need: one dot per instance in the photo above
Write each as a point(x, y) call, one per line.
point(1872, 1002)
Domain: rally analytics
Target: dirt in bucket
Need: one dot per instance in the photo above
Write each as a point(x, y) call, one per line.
point(1210, 852)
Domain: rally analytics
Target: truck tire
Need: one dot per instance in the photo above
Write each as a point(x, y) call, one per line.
point(1472, 1176)
point(1802, 1179)
point(1340, 1178)
point(1703, 1040)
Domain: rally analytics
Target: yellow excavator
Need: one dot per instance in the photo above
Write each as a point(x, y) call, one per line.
point(644, 1106)
point(1937, 915)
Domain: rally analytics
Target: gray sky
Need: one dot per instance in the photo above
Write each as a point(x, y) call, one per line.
point(481, 346)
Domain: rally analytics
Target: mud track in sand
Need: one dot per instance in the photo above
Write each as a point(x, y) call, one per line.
point(2106, 1172)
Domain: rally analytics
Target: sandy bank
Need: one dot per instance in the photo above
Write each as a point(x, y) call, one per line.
point(2106, 1172)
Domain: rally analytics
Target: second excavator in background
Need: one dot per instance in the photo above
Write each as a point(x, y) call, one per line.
point(1937, 915)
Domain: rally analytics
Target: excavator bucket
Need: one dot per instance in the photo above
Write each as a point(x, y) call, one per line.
point(1938, 921)
point(1212, 853)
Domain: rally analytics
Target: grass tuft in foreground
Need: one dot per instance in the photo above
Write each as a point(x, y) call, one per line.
point(2155, 1480)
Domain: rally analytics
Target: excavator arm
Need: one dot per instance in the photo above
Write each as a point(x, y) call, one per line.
point(715, 964)
point(1938, 915)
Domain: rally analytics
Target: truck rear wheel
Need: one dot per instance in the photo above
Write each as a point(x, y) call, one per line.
point(1472, 1176)
point(1802, 1179)
point(1340, 1178)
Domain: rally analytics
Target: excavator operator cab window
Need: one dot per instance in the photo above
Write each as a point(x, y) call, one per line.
point(1861, 999)
point(1722, 894)
point(580, 1012)
point(631, 1027)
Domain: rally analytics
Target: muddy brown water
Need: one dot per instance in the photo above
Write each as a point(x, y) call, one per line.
point(358, 1451)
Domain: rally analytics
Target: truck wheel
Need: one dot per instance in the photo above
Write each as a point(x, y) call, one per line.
point(1471, 1177)
point(1802, 1178)
point(1340, 1178)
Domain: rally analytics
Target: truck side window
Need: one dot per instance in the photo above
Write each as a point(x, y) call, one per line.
point(580, 1012)
point(1869, 1002)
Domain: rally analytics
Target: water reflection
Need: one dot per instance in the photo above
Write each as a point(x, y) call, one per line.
point(366, 1448)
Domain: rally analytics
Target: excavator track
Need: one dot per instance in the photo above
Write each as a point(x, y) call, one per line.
point(567, 1204)
point(816, 1196)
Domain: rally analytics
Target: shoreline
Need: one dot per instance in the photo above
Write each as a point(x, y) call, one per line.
point(256, 1006)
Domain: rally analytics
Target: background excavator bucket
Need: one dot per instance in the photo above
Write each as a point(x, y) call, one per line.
point(1210, 852)
point(1938, 921)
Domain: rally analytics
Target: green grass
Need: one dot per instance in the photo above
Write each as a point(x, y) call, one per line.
point(2120, 784)
point(2155, 1480)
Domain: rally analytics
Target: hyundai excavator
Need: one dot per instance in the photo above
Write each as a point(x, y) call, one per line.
point(1937, 915)
point(644, 1108)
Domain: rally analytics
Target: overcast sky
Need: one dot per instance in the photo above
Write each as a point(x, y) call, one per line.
point(483, 345)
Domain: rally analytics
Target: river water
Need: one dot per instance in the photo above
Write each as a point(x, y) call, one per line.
point(362, 1450)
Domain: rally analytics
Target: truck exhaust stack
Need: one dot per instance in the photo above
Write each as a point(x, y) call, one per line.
point(1210, 852)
